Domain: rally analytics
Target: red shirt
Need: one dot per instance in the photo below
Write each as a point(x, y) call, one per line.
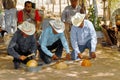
point(20, 16)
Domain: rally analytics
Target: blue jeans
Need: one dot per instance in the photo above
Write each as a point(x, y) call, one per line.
point(58, 51)
point(74, 55)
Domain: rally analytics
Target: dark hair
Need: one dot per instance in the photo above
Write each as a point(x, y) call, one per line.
point(27, 2)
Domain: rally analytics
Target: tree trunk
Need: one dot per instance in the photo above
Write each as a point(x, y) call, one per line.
point(60, 7)
point(0, 5)
point(42, 2)
point(68, 2)
point(96, 12)
point(53, 2)
point(104, 15)
point(109, 12)
point(83, 8)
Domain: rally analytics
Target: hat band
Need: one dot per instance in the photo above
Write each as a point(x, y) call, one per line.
point(26, 30)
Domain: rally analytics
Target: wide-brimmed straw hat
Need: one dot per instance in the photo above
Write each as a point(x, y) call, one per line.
point(57, 25)
point(27, 28)
point(77, 19)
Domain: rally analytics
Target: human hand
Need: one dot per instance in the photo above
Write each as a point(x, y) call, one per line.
point(93, 55)
point(54, 57)
point(22, 57)
point(68, 57)
point(79, 55)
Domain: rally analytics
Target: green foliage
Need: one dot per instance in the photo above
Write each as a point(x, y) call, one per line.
point(91, 14)
point(91, 17)
point(98, 28)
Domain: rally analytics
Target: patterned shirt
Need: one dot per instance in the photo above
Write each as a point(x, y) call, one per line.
point(68, 12)
point(31, 16)
point(80, 36)
point(47, 38)
point(21, 44)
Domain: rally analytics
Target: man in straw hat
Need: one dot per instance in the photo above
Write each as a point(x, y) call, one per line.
point(22, 44)
point(83, 36)
point(52, 38)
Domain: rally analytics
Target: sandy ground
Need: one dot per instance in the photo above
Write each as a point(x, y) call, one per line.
point(104, 67)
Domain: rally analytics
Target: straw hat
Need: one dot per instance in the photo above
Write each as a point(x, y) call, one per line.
point(27, 28)
point(77, 19)
point(57, 25)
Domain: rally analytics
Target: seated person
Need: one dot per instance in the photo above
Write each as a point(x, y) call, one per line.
point(53, 38)
point(82, 36)
point(22, 44)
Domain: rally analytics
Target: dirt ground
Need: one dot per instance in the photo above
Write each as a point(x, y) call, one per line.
point(104, 67)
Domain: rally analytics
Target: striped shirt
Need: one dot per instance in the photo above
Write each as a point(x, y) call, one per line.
point(68, 12)
point(80, 36)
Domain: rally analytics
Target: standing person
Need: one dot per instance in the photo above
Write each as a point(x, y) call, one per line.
point(52, 38)
point(29, 14)
point(10, 15)
point(22, 44)
point(68, 12)
point(82, 36)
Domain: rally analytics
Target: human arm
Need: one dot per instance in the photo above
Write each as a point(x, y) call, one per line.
point(93, 37)
point(65, 45)
point(73, 38)
point(37, 19)
point(12, 45)
point(64, 15)
point(33, 45)
point(20, 17)
point(43, 39)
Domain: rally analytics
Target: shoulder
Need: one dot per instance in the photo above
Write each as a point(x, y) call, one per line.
point(73, 28)
point(88, 24)
point(79, 7)
point(20, 11)
point(48, 29)
point(67, 7)
point(87, 21)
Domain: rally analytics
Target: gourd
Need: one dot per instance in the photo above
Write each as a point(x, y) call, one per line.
point(86, 62)
point(32, 63)
point(61, 65)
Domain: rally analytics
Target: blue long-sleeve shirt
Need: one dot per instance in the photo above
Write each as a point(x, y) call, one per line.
point(47, 38)
point(80, 36)
point(20, 44)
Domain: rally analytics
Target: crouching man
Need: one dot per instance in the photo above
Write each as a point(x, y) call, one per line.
point(83, 36)
point(53, 38)
point(22, 44)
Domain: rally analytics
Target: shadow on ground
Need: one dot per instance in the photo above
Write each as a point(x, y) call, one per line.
point(104, 67)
